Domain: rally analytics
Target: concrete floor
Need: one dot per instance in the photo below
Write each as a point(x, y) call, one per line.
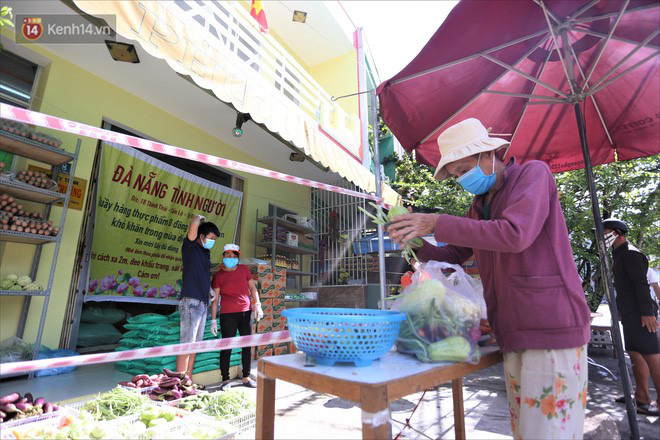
point(301, 414)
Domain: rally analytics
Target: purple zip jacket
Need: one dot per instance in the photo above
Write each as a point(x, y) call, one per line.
point(531, 285)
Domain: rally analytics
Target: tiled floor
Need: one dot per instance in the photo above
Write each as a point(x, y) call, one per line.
point(83, 381)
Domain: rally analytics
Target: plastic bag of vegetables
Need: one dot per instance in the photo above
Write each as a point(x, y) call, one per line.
point(443, 313)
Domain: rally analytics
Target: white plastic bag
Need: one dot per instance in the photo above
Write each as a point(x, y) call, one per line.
point(443, 315)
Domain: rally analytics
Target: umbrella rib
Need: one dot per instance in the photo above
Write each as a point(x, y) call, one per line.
point(554, 38)
point(536, 46)
point(614, 37)
point(468, 58)
point(611, 80)
point(525, 75)
point(604, 43)
point(522, 116)
point(612, 14)
point(523, 95)
point(625, 58)
point(547, 11)
point(593, 98)
point(583, 9)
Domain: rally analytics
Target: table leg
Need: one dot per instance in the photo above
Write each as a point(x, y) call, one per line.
point(375, 413)
point(459, 414)
point(265, 405)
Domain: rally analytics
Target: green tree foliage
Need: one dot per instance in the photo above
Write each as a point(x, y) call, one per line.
point(626, 190)
point(418, 188)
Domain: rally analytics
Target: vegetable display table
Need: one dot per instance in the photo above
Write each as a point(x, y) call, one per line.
point(392, 377)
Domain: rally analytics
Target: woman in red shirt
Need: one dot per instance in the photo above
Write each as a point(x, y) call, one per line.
point(233, 284)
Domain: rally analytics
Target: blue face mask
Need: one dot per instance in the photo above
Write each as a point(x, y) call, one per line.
point(208, 244)
point(230, 262)
point(476, 182)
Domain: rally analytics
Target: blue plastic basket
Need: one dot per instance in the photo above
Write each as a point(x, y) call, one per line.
point(343, 335)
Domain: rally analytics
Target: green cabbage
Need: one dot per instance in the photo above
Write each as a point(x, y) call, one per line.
point(15, 287)
point(6, 284)
point(32, 286)
point(24, 280)
point(11, 277)
point(419, 299)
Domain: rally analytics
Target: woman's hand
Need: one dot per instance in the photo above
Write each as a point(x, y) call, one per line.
point(407, 227)
point(214, 327)
point(650, 323)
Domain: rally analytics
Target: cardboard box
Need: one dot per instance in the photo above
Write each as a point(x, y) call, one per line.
point(277, 351)
point(279, 326)
point(267, 309)
point(277, 317)
point(264, 327)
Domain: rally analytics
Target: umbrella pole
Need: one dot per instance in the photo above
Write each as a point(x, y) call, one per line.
point(605, 270)
point(379, 194)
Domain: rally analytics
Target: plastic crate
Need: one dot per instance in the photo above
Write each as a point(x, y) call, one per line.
point(13, 424)
point(178, 428)
point(241, 422)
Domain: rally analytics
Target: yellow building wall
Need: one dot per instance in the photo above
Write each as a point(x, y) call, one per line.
point(339, 76)
point(68, 91)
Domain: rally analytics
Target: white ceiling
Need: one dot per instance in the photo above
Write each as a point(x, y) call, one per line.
point(172, 94)
point(325, 35)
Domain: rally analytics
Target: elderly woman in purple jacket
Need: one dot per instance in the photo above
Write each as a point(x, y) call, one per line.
point(536, 307)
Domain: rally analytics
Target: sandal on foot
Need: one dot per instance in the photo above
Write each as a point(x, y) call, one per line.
point(647, 409)
point(249, 384)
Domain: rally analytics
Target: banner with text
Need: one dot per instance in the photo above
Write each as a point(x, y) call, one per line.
point(143, 208)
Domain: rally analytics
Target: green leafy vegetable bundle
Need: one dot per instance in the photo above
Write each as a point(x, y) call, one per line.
point(383, 219)
point(442, 315)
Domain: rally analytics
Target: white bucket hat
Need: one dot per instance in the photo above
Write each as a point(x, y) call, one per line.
point(465, 139)
point(232, 247)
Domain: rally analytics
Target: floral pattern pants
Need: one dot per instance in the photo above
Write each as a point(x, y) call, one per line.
point(547, 392)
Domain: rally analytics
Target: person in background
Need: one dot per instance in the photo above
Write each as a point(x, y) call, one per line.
point(196, 285)
point(638, 311)
point(233, 285)
point(536, 307)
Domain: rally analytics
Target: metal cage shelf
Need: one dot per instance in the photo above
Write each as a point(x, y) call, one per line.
point(55, 157)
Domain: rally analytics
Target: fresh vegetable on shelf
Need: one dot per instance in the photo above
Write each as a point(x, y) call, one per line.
point(382, 219)
point(13, 282)
point(13, 406)
point(35, 178)
point(171, 385)
point(227, 404)
point(118, 402)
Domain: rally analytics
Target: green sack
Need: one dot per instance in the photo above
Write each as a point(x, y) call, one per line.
point(90, 335)
point(100, 315)
point(146, 318)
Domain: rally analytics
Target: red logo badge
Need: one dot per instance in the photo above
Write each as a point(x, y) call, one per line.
point(32, 28)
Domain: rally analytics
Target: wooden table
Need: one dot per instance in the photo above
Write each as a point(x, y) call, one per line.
point(392, 377)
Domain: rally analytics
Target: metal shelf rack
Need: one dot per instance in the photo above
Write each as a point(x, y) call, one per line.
point(274, 246)
point(57, 159)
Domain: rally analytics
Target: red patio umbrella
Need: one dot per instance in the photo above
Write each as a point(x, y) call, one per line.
point(572, 83)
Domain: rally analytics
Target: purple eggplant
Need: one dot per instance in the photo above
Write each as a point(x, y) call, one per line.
point(23, 400)
point(24, 407)
point(176, 394)
point(48, 407)
point(56, 408)
point(39, 401)
point(10, 398)
point(177, 374)
point(8, 408)
point(3, 415)
point(29, 397)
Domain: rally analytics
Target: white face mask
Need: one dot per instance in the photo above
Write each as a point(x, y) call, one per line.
point(609, 239)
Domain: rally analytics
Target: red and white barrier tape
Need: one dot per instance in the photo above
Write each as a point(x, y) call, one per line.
point(43, 120)
point(143, 353)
